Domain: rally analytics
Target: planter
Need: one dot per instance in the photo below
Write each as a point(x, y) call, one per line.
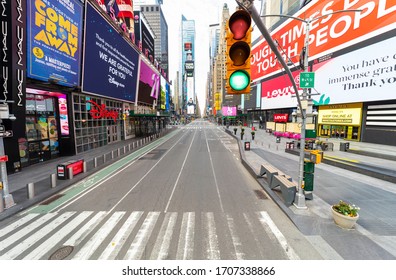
point(241, 136)
point(344, 221)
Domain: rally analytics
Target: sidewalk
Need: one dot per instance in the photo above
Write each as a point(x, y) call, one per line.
point(374, 236)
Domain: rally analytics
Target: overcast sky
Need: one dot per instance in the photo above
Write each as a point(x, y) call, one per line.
point(204, 12)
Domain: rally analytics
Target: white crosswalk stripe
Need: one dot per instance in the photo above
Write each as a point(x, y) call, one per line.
point(142, 235)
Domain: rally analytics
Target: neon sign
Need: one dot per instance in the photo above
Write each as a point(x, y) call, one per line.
point(100, 111)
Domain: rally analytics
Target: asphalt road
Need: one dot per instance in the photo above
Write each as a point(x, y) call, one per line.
point(186, 196)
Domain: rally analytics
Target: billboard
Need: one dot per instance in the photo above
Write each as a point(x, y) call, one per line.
point(149, 84)
point(110, 63)
point(54, 31)
point(190, 96)
point(144, 39)
point(229, 111)
point(328, 34)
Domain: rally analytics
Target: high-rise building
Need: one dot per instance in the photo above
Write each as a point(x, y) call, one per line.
point(153, 13)
point(187, 66)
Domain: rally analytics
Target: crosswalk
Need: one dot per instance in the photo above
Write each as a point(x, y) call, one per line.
point(140, 235)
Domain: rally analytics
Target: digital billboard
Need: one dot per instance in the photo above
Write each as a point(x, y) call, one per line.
point(110, 63)
point(54, 31)
point(329, 33)
point(229, 111)
point(149, 84)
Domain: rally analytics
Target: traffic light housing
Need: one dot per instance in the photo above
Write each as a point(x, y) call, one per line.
point(238, 37)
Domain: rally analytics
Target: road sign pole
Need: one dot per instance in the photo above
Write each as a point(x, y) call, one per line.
point(8, 199)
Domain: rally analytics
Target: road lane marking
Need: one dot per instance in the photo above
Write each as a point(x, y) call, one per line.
point(17, 224)
point(236, 242)
point(214, 174)
point(185, 246)
point(139, 244)
point(271, 228)
point(178, 176)
point(162, 244)
point(116, 244)
point(35, 237)
point(94, 242)
point(47, 245)
point(24, 231)
point(212, 251)
point(85, 230)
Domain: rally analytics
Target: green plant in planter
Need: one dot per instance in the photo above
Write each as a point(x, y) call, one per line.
point(253, 133)
point(346, 209)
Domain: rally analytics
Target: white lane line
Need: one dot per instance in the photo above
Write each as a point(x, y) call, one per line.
point(178, 176)
point(48, 244)
point(24, 231)
point(162, 244)
point(271, 228)
point(236, 242)
point(85, 230)
point(214, 174)
point(17, 224)
point(213, 251)
point(89, 248)
point(139, 244)
point(32, 239)
point(116, 244)
point(185, 247)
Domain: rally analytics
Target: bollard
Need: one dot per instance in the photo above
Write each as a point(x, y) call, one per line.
point(70, 172)
point(124, 150)
point(133, 145)
point(84, 166)
point(30, 188)
point(104, 158)
point(118, 152)
point(53, 180)
point(95, 162)
point(112, 154)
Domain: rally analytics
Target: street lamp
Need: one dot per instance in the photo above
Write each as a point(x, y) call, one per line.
point(304, 104)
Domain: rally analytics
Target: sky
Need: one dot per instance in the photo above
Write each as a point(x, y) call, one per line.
point(205, 13)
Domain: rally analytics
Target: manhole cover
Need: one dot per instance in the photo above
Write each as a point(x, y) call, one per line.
point(61, 253)
point(51, 199)
point(260, 194)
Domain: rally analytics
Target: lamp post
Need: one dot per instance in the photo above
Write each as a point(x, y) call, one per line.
point(304, 103)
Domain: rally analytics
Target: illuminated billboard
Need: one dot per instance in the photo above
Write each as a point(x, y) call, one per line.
point(54, 31)
point(327, 35)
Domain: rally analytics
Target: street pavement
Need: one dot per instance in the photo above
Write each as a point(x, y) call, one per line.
point(373, 237)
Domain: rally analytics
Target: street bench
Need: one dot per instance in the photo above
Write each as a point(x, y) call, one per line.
point(268, 170)
point(288, 188)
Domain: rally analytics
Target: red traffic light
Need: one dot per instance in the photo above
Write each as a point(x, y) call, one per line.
point(239, 23)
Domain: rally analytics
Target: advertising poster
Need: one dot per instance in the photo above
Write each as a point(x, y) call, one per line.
point(229, 111)
point(110, 63)
point(149, 84)
point(54, 37)
point(329, 33)
point(167, 88)
point(163, 94)
point(279, 92)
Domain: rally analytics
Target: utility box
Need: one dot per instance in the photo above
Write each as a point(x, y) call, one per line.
point(309, 169)
point(62, 169)
point(344, 146)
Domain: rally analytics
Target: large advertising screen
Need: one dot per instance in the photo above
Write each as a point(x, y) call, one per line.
point(327, 34)
point(149, 84)
point(110, 63)
point(54, 31)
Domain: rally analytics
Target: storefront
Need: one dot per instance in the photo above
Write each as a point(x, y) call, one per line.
point(46, 123)
point(340, 121)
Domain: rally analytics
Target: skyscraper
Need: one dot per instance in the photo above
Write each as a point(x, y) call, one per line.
point(187, 66)
point(155, 17)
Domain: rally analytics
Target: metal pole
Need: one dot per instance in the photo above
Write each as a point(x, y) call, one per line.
point(8, 199)
point(53, 180)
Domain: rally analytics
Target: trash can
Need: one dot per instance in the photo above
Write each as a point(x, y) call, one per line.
point(287, 145)
point(344, 146)
point(309, 169)
point(277, 139)
point(247, 146)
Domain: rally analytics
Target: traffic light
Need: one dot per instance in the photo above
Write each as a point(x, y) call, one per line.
point(238, 37)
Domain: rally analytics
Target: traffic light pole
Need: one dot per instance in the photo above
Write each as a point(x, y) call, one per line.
point(299, 200)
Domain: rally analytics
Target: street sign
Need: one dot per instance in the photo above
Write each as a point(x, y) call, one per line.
point(3, 158)
point(7, 133)
point(307, 79)
point(2, 128)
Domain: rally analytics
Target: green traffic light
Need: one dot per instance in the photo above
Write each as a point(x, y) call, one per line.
point(239, 80)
